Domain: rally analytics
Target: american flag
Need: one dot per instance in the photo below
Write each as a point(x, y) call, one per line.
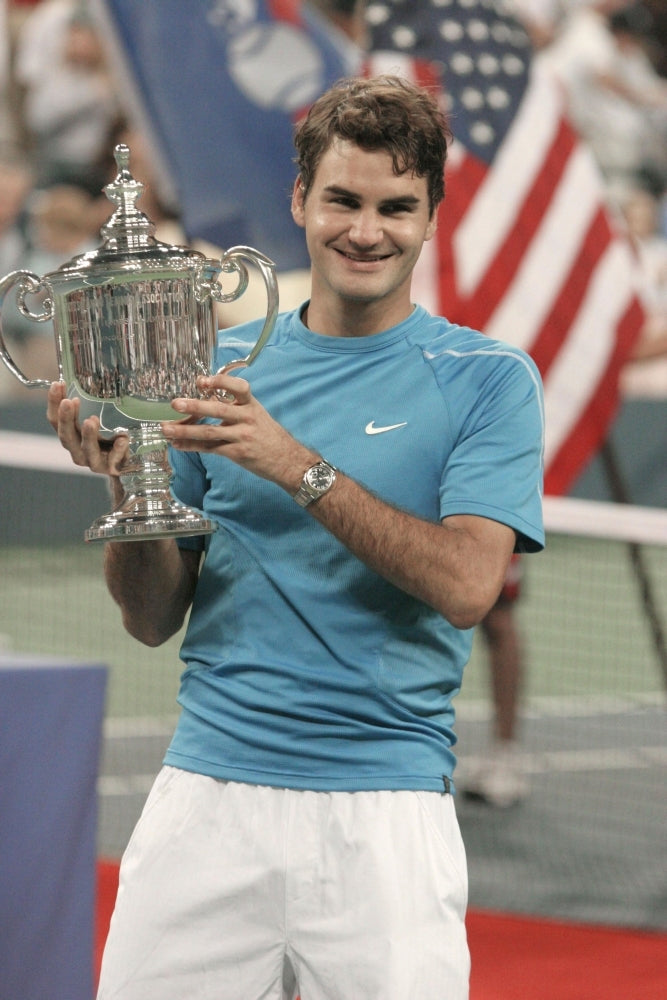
point(526, 249)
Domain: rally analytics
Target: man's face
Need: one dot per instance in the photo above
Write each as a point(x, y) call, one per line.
point(365, 226)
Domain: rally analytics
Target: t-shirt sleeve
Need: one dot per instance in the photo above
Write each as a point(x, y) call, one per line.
point(495, 469)
point(189, 485)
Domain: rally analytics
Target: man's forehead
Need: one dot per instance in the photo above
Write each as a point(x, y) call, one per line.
point(344, 162)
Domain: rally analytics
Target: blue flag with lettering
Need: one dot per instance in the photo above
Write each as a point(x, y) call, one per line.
point(219, 85)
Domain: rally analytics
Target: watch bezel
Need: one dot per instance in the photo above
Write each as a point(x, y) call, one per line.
point(310, 491)
point(316, 473)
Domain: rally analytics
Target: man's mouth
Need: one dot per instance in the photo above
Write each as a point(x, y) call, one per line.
point(364, 258)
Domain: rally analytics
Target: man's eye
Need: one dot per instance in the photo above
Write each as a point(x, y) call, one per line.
point(396, 208)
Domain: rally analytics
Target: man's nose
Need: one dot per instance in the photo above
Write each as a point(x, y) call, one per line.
point(366, 228)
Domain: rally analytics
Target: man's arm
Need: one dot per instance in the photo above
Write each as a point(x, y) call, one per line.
point(153, 582)
point(457, 567)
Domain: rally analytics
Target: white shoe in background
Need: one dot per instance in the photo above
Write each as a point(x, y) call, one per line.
point(497, 778)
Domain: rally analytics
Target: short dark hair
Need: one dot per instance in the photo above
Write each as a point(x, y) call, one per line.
point(381, 112)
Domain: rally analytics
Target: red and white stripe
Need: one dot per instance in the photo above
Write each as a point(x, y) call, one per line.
point(527, 252)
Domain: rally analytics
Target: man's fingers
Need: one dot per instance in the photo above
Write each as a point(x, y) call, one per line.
point(117, 455)
point(83, 442)
point(54, 398)
point(99, 454)
point(239, 388)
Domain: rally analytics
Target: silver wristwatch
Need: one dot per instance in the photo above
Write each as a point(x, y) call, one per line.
point(317, 481)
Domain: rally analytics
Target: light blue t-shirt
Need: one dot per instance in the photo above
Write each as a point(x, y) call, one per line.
point(305, 669)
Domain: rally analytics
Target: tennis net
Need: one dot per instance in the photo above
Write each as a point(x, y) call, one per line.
point(587, 844)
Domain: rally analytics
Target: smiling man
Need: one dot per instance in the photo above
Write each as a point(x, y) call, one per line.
point(365, 228)
point(371, 478)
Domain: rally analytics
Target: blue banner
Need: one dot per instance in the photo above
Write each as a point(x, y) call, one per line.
point(221, 83)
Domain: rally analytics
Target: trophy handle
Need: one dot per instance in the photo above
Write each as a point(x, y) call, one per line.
point(232, 260)
point(25, 282)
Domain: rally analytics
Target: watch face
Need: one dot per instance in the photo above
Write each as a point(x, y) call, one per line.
point(319, 477)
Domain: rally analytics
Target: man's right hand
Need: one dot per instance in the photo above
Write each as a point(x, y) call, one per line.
point(83, 441)
point(152, 581)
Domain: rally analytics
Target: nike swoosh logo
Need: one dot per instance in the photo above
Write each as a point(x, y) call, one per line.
point(372, 429)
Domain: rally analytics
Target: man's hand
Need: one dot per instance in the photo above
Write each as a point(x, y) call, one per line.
point(83, 441)
point(244, 432)
point(153, 581)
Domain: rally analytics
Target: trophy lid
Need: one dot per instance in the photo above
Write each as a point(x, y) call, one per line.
point(129, 243)
point(128, 228)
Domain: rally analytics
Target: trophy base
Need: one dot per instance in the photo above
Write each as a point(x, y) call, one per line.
point(143, 518)
point(148, 509)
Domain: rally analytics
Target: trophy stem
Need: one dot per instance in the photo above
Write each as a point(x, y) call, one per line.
point(148, 510)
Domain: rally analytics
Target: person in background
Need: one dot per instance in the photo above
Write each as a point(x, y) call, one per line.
point(15, 187)
point(540, 18)
point(645, 375)
point(370, 476)
point(615, 97)
point(16, 182)
point(60, 222)
point(68, 99)
point(498, 777)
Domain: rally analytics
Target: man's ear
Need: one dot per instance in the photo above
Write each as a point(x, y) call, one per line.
point(298, 197)
point(432, 226)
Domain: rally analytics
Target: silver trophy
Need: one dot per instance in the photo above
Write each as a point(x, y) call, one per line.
point(135, 323)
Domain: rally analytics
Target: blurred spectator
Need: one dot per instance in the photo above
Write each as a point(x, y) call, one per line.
point(68, 99)
point(616, 98)
point(646, 374)
point(15, 185)
point(5, 109)
point(540, 18)
point(61, 222)
point(657, 43)
point(498, 777)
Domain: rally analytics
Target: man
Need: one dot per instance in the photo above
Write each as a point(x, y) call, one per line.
point(371, 478)
point(498, 777)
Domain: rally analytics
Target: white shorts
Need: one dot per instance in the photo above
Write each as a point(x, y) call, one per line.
point(239, 892)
